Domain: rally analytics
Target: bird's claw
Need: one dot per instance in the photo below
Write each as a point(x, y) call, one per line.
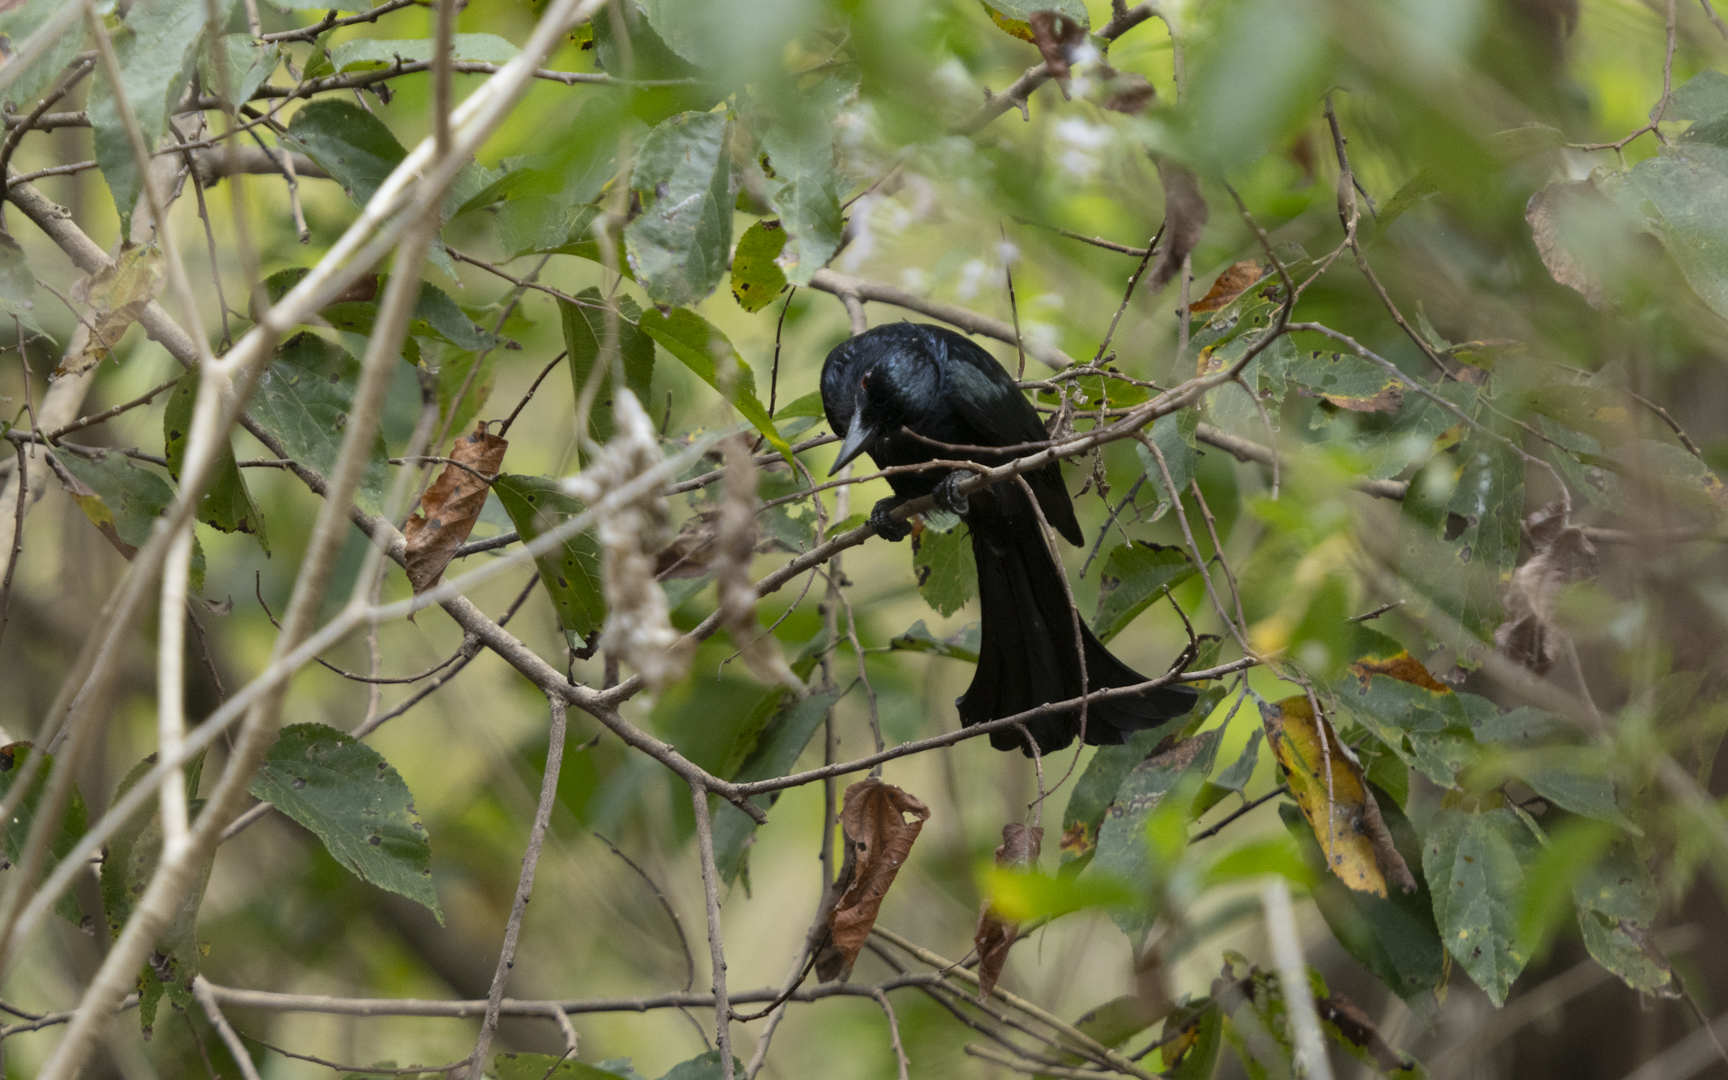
point(886, 527)
point(948, 494)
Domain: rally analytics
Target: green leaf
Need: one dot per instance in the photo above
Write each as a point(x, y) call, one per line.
point(700, 346)
point(1097, 787)
point(1393, 936)
point(962, 646)
point(249, 64)
point(227, 504)
point(454, 369)
point(347, 142)
point(304, 400)
point(14, 759)
point(1233, 779)
point(584, 340)
point(547, 1067)
point(370, 54)
point(18, 287)
point(1346, 380)
point(1475, 864)
point(777, 749)
point(1131, 845)
point(1681, 191)
point(1459, 555)
point(946, 568)
point(129, 862)
point(1702, 97)
point(1617, 903)
point(756, 275)
point(800, 150)
point(571, 571)
point(678, 245)
point(352, 800)
point(706, 1067)
point(808, 405)
point(1021, 896)
point(155, 53)
point(17, 24)
point(1180, 458)
point(133, 498)
point(1576, 779)
point(1424, 727)
point(1011, 15)
point(1416, 190)
point(1135, 576)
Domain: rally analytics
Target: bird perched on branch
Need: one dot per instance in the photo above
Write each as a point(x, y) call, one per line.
point(888, 386)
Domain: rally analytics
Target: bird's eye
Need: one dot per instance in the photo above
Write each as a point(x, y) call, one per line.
point(864, 383)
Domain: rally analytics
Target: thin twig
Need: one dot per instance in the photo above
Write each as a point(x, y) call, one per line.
point(525, 884)
point(230, 1039)
point(665, 905)
point(716, 947)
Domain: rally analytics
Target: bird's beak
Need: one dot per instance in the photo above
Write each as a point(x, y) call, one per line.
point(853, 445)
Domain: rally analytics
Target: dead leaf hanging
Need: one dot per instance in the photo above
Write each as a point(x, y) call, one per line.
point(451, 506)
point(1185, 216)
point(1327, 783)
point(878, 840)
point(995, 935)
point(117, 294)
point(1564, 556)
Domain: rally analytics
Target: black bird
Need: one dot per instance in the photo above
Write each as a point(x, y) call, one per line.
point(904, 377)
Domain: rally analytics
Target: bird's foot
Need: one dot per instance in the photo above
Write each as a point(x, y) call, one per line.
point(886, 527)
point(948, 494)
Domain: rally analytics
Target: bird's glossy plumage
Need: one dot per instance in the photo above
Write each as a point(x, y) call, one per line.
point(933, 381)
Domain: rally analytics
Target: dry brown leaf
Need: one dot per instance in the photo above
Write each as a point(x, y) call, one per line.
point(1357, 1028)
point(1185, 216)
point(1231, 283)
point(451, 506)
point(1563, 556)
point(995, 936)
point(117, 294)
point(1055, 35)
point(1124, 91)
point(735, 548)
point(878, 840)
point(1327, 783)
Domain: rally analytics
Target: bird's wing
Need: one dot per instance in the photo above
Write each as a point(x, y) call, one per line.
point(988, 400)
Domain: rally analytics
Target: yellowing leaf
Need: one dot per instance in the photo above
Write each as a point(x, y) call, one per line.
point(117, 294)
point(1326, 781)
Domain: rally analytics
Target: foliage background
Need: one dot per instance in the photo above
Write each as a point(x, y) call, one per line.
point(1419, 89)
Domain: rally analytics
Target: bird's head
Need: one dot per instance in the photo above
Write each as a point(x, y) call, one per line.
point(875, 383)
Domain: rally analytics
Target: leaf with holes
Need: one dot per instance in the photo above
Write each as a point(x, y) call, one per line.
point(800, 150)
point(946, 568)
point(353, 801)
point(1135, 576)
point(756, 275)
point(1476, 867)
point(304, 400)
